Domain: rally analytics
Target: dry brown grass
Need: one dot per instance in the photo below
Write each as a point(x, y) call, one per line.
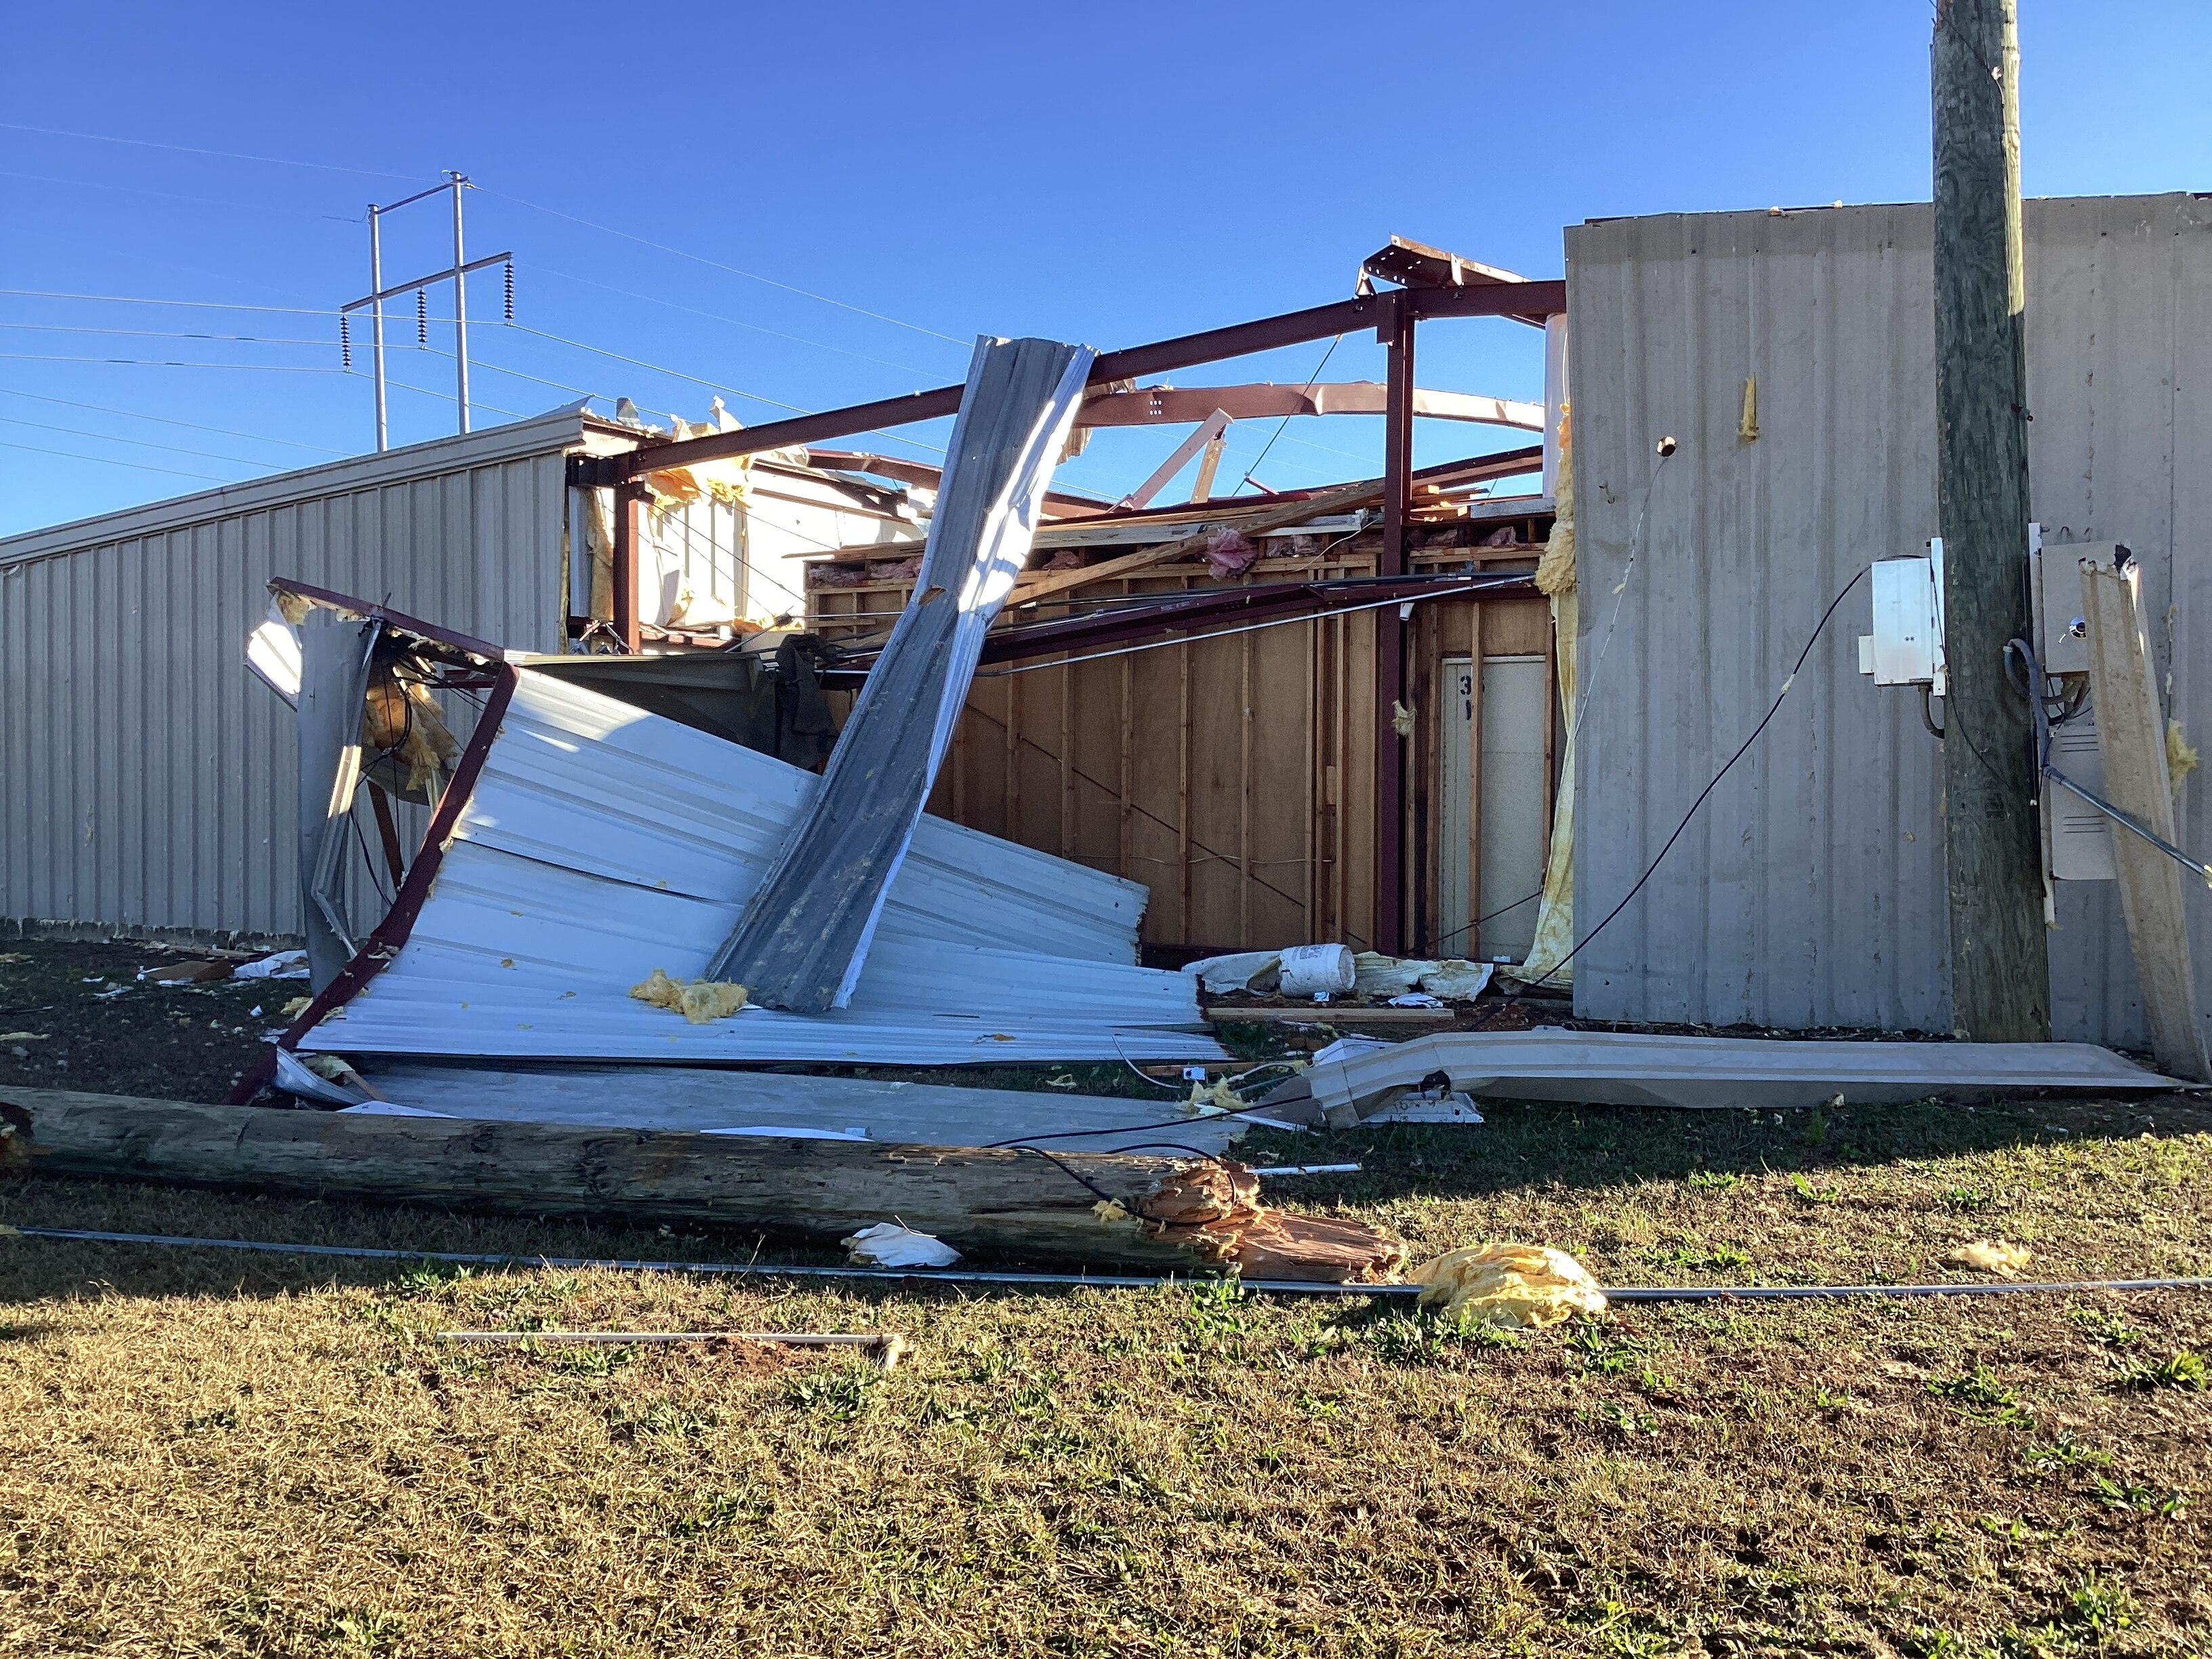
point(210, 1453)
point(216, 1454)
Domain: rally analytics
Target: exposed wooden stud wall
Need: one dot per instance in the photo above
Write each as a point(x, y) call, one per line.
point(1250, 828)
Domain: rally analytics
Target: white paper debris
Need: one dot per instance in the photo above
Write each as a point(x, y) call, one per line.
point(280, 964)
point(887, 1244)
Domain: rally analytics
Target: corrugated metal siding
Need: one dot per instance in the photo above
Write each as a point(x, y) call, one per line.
point(146, 779)
point(1809, 891)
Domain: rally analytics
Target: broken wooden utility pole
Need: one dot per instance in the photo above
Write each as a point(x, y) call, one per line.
point(1097, 1209)
point(2131, 739)
point(2000, 975)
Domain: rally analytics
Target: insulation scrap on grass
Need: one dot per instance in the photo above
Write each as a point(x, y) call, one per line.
point(1519, 1287)
point(698, 1001)
point(1991, 1255)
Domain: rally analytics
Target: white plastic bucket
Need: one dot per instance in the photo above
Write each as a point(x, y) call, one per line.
point(1311, 969)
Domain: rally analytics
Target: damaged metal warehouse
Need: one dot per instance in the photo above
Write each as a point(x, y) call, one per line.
point(623, 764)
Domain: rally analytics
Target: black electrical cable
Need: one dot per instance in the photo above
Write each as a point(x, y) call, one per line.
point(1501, 910)
point(2027, 678)
point(1080, 1179)
point(1742, 749)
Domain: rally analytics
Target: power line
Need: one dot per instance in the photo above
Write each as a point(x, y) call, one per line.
point(198, 304)
point(537, 270)
point(166, 420)
point(109, 460)
point(170, 195)
point(640, 363)
point(165, 334)
point(188, 149)
point(161, 362)
point(749, 275)
point(143, 443)
point(442, 397)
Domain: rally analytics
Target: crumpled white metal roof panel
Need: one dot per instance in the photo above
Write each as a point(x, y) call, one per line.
point(604, 842)
point(586, 782)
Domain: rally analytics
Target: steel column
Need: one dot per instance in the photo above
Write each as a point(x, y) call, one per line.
point(629, 527)
point(1397, 332)
point(376, 286)
point(461, 309)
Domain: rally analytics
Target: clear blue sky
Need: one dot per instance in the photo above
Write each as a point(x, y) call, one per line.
point(1110, 174)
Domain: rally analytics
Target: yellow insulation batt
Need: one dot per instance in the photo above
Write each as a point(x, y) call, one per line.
point(1522, 1286)
point(698, 1001)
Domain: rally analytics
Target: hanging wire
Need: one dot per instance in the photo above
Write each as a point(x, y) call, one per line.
point(1248, 478)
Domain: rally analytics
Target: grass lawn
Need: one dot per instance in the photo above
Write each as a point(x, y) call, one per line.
point(210, 1452)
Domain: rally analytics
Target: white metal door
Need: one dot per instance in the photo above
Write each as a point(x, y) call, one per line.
point(1515, 690)
point(1455, 764)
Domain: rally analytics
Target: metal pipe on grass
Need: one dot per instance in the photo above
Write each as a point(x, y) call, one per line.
point(973, 1276)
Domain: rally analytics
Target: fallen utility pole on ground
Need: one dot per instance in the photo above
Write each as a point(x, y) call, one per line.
point(1107, 1209)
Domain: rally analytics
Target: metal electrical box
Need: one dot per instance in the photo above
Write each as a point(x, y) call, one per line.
point(1907, 645)
point(2077, 837)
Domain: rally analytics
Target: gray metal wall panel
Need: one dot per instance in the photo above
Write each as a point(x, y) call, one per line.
point(146, 778)
point(1809, 891)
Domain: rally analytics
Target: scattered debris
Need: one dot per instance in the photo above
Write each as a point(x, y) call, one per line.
point(1457, 980)
point(280, 964)
point(887, 1245)
point(698, 1001)
point(1991, 1255)
point(1242, 970)
point(186, 973)
point(23, 1037)
point(1521, 1286)
point(1378, 975)
point(1275, 1171)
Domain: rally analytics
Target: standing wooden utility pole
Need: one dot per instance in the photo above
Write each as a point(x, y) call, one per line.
point(2000, 977)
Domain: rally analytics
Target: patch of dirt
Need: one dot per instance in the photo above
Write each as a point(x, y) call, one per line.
point(78, 1017)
